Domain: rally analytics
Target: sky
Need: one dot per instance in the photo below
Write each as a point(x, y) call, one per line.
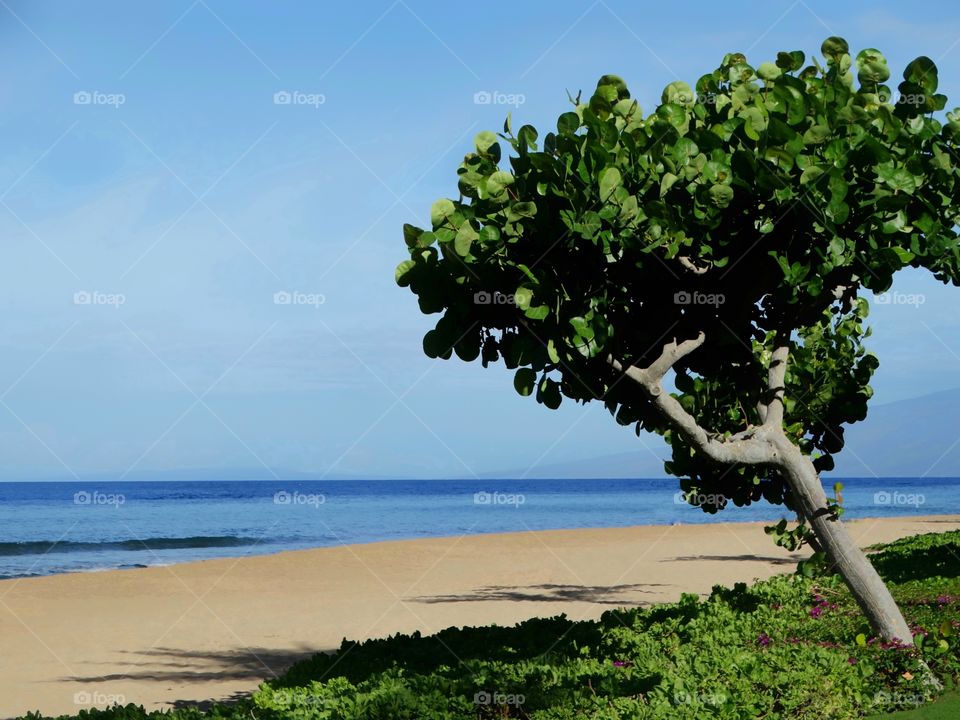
point(201, 206)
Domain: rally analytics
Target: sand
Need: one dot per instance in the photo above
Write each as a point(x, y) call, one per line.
point(216, 629)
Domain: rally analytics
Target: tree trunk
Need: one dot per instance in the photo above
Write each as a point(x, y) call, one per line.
point(844, 554)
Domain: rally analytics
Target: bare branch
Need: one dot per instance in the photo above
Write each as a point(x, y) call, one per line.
point(748, 447)
point(689, 265)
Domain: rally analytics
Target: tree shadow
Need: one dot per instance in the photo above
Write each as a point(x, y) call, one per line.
point(179, 665)
point(743, 558)
point(548, 592)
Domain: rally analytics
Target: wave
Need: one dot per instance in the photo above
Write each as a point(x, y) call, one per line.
point(51, 547)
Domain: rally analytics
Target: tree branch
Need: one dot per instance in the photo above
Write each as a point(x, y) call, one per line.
point(748, 447)
point(689, 265)
point(773, 408)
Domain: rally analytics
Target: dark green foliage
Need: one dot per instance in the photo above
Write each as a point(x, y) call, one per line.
point(922, 556)
point(762, 205)
point(789, 647)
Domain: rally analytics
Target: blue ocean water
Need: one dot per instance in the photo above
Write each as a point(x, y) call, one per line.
point(55, 527)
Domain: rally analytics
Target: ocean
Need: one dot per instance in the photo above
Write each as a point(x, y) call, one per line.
point(56, 527)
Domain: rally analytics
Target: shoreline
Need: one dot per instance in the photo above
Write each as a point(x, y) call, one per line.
point(213, 629)
point(414, 538)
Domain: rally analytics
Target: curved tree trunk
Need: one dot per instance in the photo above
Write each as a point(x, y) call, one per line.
point(845, 555)
point(768, 445)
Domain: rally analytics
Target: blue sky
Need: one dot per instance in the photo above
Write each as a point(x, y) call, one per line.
point(147, 168)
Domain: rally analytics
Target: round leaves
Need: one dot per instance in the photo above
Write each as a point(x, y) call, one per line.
point(834, 48)
point(872, 67)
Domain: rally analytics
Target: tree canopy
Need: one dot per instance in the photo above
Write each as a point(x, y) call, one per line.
point(750, 213)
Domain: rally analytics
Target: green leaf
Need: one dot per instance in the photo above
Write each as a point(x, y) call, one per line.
point(522, 297)
point(721, 195)
point(666, 182)
point(400, 275)
point(680, 93)
point(810, 174)
point(489, 233)
point(485, 141)
point(465, 237)
point(790, 61)
point(524, 381)
point(537, 313)
point(610, 180)
point(441, 210)
point(922, 72)
point(548, 393)
point(768, 71)
point(754, 122)
point(833, 48)
point(872, 67)
point(524, 209)
point(905, 255)
point(435, 345)
point(817, 134)
point(552, 351)
point(411, 234)
point(499, 181)
point(568, 123)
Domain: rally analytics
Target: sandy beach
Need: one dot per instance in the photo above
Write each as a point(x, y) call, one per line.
point(215, 629)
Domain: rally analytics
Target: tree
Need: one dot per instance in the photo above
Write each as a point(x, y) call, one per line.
point(699, 270)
